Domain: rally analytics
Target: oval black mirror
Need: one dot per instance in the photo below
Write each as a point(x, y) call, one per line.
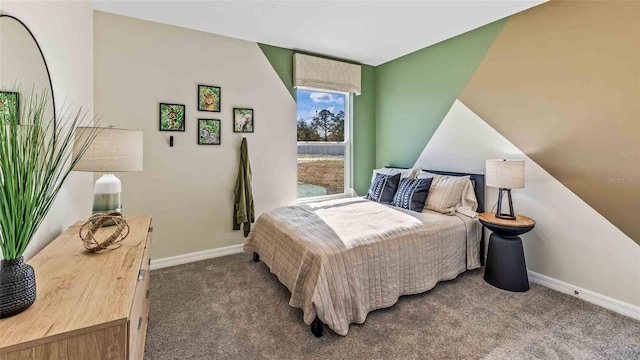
point(22, 64)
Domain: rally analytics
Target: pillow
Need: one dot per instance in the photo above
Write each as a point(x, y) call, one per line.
point(404, 173)
point(412, 194)
point(382, 188)
point(445, 193)
point(468, 204)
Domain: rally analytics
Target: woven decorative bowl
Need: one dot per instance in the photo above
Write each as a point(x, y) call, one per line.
point(90, 228)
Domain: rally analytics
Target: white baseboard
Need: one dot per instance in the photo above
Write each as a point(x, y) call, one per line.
point(196, 256)
point(586, 295)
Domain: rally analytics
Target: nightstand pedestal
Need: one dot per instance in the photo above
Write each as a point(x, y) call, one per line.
point(506, 267)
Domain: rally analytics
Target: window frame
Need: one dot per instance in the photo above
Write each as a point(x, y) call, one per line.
point(347, 143)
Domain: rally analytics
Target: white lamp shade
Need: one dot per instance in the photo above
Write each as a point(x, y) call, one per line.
point(112, 150)
point(502, 173)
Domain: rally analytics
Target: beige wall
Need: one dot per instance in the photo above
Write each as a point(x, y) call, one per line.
point(562, 83)
point(64, 30)
point(188, 188)
point(571, 242)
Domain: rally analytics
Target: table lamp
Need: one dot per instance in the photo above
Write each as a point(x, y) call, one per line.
point(113, 150)
point(505, 175)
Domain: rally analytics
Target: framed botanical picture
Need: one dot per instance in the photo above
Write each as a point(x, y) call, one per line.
point(9, 104)
point(209, 98)
point(242, 120)
point(172, 117)
point(209, 132)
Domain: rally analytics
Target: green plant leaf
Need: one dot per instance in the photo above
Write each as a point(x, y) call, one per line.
point(36, 158)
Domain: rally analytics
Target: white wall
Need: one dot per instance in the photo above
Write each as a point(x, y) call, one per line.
point(188, 188)
point(571, 242)
point(20, 61)
point(64, 30)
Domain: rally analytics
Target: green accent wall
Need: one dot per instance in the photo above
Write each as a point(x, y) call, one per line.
point(281, 60)
point(414, 93)
point(364, 132)
point(403, 101)
point(363, 122)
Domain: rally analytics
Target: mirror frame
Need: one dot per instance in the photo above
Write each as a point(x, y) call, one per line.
point(46, 66)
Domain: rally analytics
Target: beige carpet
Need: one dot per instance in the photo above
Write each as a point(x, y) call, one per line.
point(233, 308)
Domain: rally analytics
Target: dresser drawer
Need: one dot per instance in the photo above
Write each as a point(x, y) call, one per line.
point(140, 308)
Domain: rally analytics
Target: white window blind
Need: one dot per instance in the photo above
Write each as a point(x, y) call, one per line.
point(319, 73)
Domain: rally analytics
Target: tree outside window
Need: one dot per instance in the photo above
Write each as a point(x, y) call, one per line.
point(321, 143)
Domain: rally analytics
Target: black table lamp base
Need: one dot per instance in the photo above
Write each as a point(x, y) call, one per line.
point(499, 214)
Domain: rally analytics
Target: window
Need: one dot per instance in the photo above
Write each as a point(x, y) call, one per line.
point(323, 143)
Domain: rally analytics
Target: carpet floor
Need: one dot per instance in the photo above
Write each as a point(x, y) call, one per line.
point(233, 308)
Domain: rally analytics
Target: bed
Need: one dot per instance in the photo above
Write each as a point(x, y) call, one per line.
point(342, 259)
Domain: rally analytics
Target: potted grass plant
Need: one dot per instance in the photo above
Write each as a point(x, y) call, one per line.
point(36, 157)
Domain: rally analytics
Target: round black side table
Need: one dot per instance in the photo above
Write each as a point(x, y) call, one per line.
point(506, 268)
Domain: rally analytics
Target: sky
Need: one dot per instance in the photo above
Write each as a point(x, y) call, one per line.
point(311, 101)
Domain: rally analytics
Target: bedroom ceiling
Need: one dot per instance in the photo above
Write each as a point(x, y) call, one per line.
point(370, 32)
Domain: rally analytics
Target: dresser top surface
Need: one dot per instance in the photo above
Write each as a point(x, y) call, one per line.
point(78, 290)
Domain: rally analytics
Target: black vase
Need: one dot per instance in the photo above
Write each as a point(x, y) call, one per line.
point(17, 287)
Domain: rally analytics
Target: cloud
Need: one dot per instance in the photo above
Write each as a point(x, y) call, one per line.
point(318, 97)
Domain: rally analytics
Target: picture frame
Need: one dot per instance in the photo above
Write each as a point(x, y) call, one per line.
point(243, 120)
point(209, 132)
point(9, 102)
point(209, 98)
point(172, 117)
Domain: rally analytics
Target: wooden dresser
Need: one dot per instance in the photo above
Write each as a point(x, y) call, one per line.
point(89, 306)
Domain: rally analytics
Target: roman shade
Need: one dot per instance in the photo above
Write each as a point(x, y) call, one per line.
point(319, 73)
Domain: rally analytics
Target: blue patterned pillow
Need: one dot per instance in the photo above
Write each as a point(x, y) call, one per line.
point(383, 188)
point(412, 194)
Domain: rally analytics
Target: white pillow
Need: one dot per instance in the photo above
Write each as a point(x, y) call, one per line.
point(449, 193)
point(406, 173)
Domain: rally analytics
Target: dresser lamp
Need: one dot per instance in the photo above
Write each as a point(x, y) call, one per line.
point(505, 175)
point(113, 150)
